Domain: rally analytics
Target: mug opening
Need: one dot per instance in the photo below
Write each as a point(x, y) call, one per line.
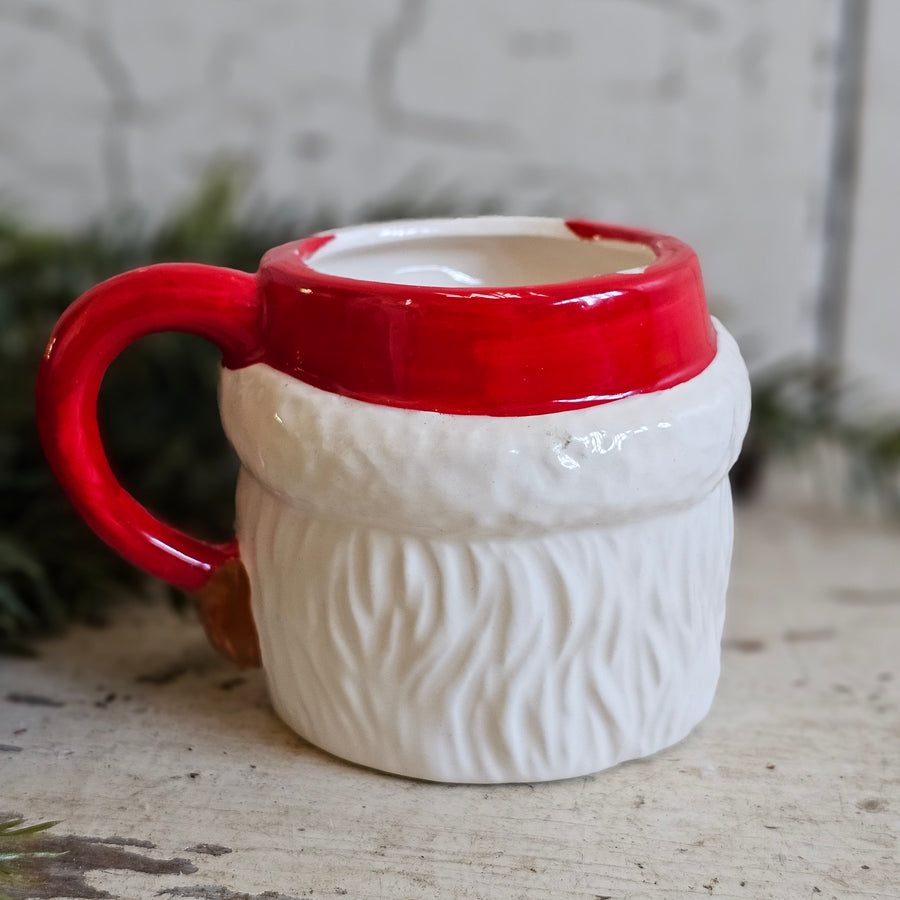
point(488, 252)
point(486, 316)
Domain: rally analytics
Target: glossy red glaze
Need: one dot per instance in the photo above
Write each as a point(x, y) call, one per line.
point(218, 304)
point(490, 351)
point(493, 351)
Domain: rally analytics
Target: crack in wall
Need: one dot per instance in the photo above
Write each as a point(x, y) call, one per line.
point(671, 83)
point(751, 59)
point(387, 48)
point(696, 13)
point(123, 103)
point(841, 187)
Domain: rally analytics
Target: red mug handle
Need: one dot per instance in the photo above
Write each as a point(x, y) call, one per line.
point(221, 305)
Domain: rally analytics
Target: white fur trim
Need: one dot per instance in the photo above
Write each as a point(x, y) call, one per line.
point(448, 475)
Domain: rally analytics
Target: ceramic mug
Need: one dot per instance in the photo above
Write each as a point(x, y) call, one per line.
point(483, 522)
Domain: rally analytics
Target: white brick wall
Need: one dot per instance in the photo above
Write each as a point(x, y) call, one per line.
point(705, 118)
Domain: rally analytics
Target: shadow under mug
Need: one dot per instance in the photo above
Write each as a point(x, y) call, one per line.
point(457, 438)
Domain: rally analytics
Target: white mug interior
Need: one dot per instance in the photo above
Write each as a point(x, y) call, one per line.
point(489, 252)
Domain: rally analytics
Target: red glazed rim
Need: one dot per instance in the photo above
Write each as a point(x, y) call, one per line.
point(522, 350)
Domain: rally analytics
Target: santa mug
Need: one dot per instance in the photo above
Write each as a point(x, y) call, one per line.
point(484, 523)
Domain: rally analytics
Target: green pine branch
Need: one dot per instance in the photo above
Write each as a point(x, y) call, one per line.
point(18, 853)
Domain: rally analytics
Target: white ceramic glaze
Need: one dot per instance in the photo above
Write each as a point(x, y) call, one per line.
point(488, 599)
point(485, 251)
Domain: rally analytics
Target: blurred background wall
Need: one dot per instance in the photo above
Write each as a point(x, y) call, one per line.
point(714, 120)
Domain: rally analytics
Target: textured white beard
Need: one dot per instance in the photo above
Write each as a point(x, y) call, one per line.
point(488, 661)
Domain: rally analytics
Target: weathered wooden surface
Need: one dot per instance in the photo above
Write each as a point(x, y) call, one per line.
point(791, 788)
